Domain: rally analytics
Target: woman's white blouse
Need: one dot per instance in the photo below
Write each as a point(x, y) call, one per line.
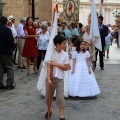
point(43, 41)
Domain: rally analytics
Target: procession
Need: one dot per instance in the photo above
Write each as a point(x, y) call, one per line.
point(60, 69)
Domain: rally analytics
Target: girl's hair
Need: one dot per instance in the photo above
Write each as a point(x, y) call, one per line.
point(88, 47)
point(27, 21)
point(76, 42)
point(78, 47)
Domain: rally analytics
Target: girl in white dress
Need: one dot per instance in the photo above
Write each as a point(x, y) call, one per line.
point(83, 82)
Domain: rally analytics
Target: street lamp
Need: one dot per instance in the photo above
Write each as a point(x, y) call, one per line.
point(33, 9)
point(101, 3)
point(116, 14)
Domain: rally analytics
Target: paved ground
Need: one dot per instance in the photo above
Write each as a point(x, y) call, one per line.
point(25, 102)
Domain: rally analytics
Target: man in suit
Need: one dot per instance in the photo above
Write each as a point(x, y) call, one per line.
point(6, 54)
point(103, 33)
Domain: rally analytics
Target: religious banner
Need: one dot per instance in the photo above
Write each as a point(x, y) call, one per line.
point(71, 10)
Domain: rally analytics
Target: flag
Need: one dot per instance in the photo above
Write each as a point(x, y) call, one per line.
point(94, 29)
point(50, 51)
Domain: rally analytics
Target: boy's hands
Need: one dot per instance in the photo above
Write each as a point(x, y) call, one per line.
point(53, 63)
point(49, 82)
point(89, 71)
point(72, 71)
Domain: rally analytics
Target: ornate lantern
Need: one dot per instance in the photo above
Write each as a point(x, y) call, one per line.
point(1, 7)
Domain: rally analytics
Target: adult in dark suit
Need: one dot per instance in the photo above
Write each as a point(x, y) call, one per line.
point(103, 33)
point(6, 54)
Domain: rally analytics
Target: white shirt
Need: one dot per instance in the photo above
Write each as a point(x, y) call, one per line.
point(108, 38)
point(43, 41)
point(14, 32)
point(61, 58)
point(20, 31)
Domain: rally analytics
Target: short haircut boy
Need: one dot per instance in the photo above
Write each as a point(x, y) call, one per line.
point(58, 39)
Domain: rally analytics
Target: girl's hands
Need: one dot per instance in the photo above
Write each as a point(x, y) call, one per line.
point(89, 71)
point(72, 71)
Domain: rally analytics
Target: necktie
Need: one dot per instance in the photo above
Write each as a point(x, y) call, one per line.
point(100, 27)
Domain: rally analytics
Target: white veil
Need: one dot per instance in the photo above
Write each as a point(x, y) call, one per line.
point(50, 52)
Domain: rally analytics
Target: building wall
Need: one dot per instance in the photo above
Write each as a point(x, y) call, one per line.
point(108, 8)
point(43, 9)
point(22, 8)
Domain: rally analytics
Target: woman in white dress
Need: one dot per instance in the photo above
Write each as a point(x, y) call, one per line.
point(83, 82)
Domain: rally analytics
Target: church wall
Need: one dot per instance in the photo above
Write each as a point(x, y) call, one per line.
point(108, 8)
point(22, 8)
point(43, 9)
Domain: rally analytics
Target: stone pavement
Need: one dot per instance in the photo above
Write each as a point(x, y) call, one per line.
point(25, 102)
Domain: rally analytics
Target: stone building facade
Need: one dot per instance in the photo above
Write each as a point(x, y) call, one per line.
point(109, 6)
point(43, 9)
point(22, 8)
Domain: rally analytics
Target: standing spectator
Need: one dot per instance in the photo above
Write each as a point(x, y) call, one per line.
point(30, 47)
point(37, 26)
point(108, 41)
point(14, 32)
point(86, 38)
point(49, 27)
point(42, 44)
point(21, 41)
point(80, 26)
point(118, 41)
point(65, 30)
point(112, 32)
point(37, 19)
point(116, 36)
point(103, 33)
point(9, 24)
point(74, 32)
point(6, 54)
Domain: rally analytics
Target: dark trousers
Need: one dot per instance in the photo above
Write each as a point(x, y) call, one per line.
point(6, 61)
point(100, 56)
point(15, 53)
point(40, 58)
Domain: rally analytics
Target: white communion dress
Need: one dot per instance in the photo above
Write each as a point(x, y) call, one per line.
point(81, 83)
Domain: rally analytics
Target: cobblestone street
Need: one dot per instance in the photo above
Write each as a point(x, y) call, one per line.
point(25, 102)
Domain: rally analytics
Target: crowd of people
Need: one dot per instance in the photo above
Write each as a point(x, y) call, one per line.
point(75, 55)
